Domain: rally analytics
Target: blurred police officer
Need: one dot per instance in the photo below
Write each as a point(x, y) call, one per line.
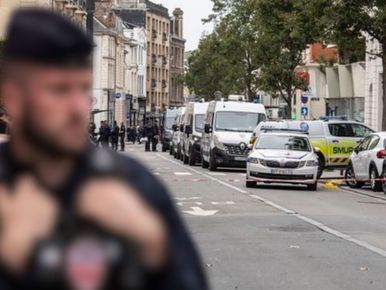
point(47, 167)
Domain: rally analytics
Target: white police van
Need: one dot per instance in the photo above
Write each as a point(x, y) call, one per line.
point(228, 128)
point(194, 127)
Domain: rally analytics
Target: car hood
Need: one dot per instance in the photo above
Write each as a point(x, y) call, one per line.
point(233, 137)
point(268, 153)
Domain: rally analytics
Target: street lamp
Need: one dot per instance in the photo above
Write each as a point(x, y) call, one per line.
point(90, 9)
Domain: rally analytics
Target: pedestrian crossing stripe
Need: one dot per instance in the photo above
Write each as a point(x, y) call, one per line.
point(182, 173)
point(339, 160)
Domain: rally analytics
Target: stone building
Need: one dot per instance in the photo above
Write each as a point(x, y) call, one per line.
point(177, 55)
point(155, 19)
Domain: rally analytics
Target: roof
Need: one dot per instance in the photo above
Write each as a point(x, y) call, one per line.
point(239, 106)
point(290, 134)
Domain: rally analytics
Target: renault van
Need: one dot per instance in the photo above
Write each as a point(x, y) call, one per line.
point(169, 121)
point(178, 128)
point(194, 127)
point(227, 130)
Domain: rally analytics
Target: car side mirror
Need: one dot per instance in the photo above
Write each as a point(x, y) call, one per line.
point(208, 129)
point(356, 150)
point(188, 129)
point(250, 146)
point(317, 150)
point(174, 127)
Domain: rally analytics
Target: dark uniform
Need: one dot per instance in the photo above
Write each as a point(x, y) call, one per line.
point(183, 271)
point(122, 134)
point(45, 37)
point(115, 136)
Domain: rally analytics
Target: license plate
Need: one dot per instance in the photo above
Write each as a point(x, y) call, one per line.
point(241, 158)
point(281, 171)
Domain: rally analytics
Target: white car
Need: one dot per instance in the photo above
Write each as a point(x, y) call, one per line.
point(366, 162)
point(282, 156)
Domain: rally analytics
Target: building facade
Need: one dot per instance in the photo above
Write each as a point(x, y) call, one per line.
point(373, 86)
point(177, 58)
point(135, 69)
point(155, 19)
point(109, 90)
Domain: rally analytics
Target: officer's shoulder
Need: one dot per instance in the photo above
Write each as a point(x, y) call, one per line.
point(111, 161)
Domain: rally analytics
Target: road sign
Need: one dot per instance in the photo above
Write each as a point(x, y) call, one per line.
point(304, 111)
point(304, 99)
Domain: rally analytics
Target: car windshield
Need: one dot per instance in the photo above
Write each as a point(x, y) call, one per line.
point(199, 122)
point(169, 122)
point(238, 121)
point(294, 143)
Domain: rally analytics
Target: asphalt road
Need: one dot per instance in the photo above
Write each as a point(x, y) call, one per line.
point(277, 237)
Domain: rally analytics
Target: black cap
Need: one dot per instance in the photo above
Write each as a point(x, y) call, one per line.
point(46, 37)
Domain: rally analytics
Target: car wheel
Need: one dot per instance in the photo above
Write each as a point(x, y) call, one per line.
point(212, 164)
point(322, 164)
point(351, 180)
point(192, 158)
point(204, 164)
point(376, 184)
point(312, 187)
point(250, 184)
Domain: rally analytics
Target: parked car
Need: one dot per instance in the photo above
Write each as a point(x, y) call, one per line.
point(178, 128)
point(336, 139)
point(169, 121)
point(227, 131)
point(194, 127)
point(283, 156)
point(367, 162)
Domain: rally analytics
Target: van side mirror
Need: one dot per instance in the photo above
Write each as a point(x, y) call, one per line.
point(174, 127)
point(317, 150)
point(208, 129)
point(188, 129)
point(181, 128)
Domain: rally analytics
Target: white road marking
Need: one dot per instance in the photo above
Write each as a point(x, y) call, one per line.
point(156, 173)
point(216, 174)
point(182, 173)
point(223, 202)
point(313, 222)
point(180, 203)
point(187, 198)
point(198, 211)
point(199, 203)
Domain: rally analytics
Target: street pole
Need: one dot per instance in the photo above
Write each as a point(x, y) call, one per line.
point(90, 9)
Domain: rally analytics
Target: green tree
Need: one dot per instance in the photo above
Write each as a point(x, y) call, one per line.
point(350, 20)
point(287, 27)
point(207, 68)
point(236, 48)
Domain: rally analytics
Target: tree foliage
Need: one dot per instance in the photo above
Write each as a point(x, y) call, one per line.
point(352, 21)
point(263, 41)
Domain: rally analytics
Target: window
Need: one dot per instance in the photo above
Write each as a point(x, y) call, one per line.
point(237, 121)
point(374, 142)
point(273, 142)
point(349, 130)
